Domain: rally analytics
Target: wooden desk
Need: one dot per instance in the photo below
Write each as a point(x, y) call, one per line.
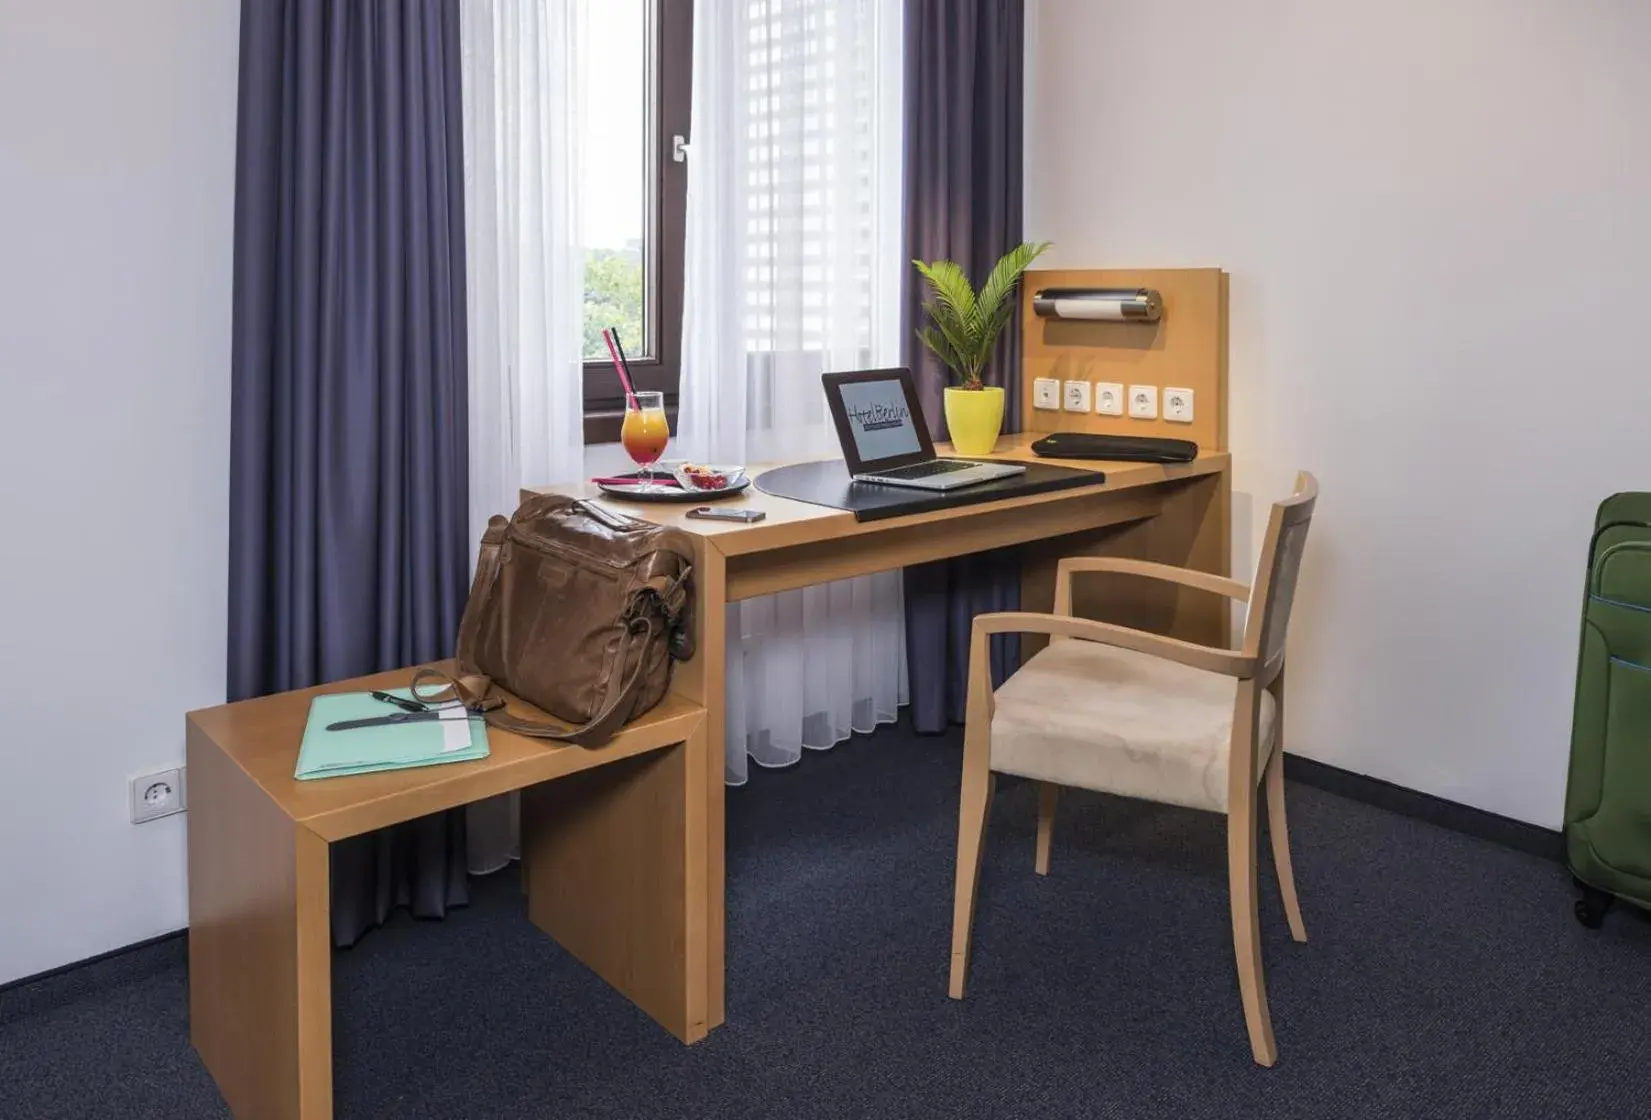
point(614, 850)
point(1176, 514)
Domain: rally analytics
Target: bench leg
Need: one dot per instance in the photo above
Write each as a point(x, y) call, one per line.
point(260, 966)
point(615, 862)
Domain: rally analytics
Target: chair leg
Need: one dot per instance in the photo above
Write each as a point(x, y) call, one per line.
point(1241, 885)
point(976, 808)
point(1048, 794)
point(1279, 831)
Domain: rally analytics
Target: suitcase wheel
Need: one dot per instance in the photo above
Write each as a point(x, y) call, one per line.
point(1591, 907)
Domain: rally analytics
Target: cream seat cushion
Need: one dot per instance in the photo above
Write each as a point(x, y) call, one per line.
point(1098, 717)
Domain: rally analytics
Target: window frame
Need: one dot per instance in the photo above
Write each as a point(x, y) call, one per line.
point(604, 401)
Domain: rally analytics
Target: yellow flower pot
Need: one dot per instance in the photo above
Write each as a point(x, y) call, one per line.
point(974, 417)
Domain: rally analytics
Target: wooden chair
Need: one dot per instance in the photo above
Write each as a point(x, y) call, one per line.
point(1143, 715)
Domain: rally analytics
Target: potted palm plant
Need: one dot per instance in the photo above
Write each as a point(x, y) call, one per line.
point(962, 329)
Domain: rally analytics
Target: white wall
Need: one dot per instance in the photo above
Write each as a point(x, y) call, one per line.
point(117, 151)
point(1437, 218)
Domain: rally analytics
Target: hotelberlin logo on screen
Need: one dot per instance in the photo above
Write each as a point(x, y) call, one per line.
point(878, 416)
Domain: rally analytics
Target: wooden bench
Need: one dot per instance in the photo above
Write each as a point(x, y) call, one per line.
point(614, 846)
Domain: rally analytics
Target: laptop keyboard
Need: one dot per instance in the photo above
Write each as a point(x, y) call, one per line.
point(928, 469)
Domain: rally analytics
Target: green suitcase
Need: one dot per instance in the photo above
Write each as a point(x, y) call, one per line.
point(1608, 790)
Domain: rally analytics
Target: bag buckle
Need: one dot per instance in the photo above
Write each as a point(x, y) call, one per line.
point(646, 601)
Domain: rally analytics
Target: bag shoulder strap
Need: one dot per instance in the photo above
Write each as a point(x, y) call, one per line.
point(473, 692)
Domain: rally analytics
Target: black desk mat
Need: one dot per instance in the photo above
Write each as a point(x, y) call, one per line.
point(827, 484)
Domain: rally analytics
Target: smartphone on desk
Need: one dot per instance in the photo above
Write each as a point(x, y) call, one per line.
point(711, 513)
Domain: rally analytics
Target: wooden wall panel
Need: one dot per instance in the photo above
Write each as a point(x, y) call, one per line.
point(1186, 348)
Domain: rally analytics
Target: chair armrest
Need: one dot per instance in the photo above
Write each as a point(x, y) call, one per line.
point(1228, 662)
point(1187, 577)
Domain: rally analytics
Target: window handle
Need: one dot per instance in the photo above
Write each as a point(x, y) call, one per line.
point(679, 149)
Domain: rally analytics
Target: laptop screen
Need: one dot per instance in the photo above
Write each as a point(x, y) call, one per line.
point(879, 422)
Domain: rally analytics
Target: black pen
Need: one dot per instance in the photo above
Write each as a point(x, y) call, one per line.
point(404, 705)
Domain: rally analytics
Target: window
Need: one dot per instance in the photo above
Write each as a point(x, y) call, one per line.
point(813, 170)
point(636, 86)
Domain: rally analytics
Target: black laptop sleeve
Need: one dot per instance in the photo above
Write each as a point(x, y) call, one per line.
point(1121, 449)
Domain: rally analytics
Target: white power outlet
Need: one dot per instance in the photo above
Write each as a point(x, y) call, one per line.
point(1143, 402)
point(1046, 393)
point(1109, 398)
point(158, 795)
point(1077, 396)
point(1178, 405)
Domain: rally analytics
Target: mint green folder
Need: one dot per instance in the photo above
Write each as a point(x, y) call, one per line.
point(364, 750)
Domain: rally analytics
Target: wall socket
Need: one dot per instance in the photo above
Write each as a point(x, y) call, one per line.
point(1143, 402)
point(1178, 405)
point(1077, 396)
point(158, 795)
point(1046, 393)
point(1109, 398)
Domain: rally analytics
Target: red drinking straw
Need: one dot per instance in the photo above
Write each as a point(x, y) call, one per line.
point(619, 368)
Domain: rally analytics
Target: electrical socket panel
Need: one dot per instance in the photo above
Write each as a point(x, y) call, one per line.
point(158, 795)
point(1109, 398)
point(1046, 393)
point(1143, 402)
point(1077, 396)
point(1178, 405)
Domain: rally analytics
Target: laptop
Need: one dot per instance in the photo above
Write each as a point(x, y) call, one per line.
point(879, 425)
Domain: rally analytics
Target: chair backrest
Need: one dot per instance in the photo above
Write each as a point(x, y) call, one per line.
point(1274, 591)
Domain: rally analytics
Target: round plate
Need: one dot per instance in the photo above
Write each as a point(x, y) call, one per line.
point(635, 493)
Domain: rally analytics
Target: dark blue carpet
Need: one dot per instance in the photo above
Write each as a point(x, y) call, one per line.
point(1445, 977)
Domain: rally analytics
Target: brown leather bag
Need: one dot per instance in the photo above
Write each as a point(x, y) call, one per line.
point(577, 610)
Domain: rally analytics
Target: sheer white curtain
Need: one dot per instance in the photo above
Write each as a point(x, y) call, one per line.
point(793, 264)
point(524, 273)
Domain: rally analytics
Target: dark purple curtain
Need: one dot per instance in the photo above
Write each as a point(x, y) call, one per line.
point(348, 455)
point(964, 97)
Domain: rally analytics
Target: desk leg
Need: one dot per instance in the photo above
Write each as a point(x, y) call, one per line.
point(616, 874)
point(704, 680)
point(260, 965)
